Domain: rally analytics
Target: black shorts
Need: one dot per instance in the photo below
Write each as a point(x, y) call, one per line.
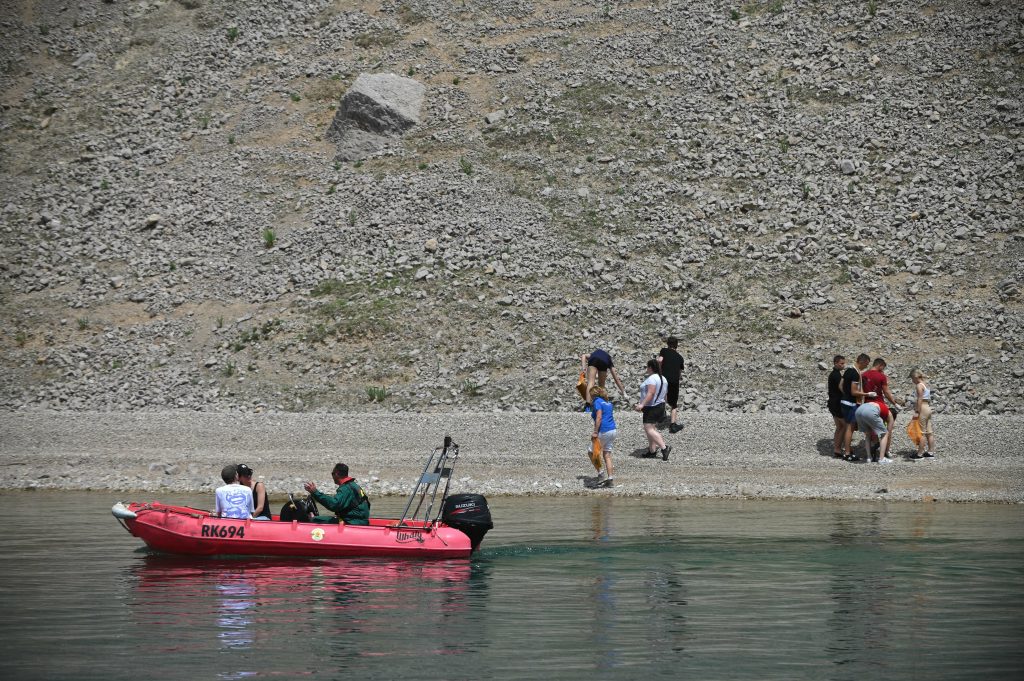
point(836, 410)
point(673, 395)
point(654, 414)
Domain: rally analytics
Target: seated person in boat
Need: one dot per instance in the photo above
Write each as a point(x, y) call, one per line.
point(259, 492)
point(349, 503)
point(232, 499)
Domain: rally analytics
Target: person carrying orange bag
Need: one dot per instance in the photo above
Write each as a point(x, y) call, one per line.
point(603, 437)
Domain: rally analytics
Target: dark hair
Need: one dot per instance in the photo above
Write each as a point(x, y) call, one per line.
point(340, 469)
point(879, 362)
point(653, 365)
point(672, 342)
point(230, 473)
point(863, 357)
point(837, 358)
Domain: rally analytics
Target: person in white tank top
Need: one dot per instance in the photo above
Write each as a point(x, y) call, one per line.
point(921, 399)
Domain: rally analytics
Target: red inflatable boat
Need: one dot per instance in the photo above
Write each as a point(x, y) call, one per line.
point(455, 531)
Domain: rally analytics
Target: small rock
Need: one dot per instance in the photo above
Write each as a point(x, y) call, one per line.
point(84, 59)
point(430, 246)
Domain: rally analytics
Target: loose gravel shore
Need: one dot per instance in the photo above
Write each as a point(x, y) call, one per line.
point(768, 456)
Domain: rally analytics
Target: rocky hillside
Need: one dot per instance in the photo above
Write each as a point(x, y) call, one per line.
point(773, 182)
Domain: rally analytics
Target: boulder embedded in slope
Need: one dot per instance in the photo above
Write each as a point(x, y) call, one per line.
point(376, 107)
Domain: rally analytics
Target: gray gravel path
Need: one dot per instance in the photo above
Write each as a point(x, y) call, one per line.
point(778, 456)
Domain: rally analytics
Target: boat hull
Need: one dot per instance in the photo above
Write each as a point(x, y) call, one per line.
point(189, 531)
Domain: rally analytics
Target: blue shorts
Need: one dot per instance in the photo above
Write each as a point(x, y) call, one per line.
point(850, 413)
point(600, 360)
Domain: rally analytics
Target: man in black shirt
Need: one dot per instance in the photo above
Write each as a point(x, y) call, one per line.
point(671, 363)
point(835, 396)
point(852, 396)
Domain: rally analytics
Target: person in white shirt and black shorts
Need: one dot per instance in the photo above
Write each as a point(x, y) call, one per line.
point(652, 405)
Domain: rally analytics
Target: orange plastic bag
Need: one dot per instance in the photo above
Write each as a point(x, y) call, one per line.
point(581, 386)
point(914, 431)
point(595, 453)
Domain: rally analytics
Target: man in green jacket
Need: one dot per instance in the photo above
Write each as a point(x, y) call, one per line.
point(349, 502)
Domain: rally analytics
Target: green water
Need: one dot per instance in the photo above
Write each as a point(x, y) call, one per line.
point(563, 588)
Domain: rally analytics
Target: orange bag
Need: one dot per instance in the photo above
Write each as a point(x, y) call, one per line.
point(595, 453)
point(581, 386)
point(914, 431)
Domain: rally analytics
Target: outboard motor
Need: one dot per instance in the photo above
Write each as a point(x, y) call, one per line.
point(468, 513)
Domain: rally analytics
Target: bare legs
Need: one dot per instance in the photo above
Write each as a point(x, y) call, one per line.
point(594, 376)
point(654, 439)
point(608, 472)
point(848, 438)
point(838, 439)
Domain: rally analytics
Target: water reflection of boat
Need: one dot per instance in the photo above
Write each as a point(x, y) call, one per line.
point(248, 606)
point(157, 572)
point(433, 525)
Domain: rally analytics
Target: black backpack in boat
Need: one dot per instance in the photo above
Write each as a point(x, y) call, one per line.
point(302, 510)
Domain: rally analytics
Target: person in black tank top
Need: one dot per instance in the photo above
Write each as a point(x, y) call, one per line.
point(259, 493)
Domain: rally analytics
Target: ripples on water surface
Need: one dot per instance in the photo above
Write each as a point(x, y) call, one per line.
point(564, 588)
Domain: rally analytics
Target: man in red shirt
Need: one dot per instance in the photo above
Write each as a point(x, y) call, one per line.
point(876, 385)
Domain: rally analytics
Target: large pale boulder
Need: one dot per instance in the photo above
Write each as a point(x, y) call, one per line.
point(376, 107)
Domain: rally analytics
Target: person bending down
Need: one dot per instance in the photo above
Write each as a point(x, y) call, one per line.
point(869, 420)
point(596, 366)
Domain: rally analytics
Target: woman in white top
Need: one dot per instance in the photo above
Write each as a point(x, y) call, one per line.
point(921, 399)
point(652, 405)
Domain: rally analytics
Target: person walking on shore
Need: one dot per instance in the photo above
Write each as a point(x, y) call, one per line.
point(604, 432)
point(597, 365)
point(835, 406)
point(921, 398)
point(671, 365)
point(652, 406)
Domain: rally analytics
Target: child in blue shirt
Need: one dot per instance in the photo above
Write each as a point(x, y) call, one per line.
point(604, 431)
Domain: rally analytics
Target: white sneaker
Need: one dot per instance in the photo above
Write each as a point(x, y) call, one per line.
point(600, 477)
point(885, 459)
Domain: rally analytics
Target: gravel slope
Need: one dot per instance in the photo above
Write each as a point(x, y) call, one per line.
point(717, 455)
point(772, 182)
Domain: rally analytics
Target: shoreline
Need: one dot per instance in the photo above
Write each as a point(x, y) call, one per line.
point(717, 455)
